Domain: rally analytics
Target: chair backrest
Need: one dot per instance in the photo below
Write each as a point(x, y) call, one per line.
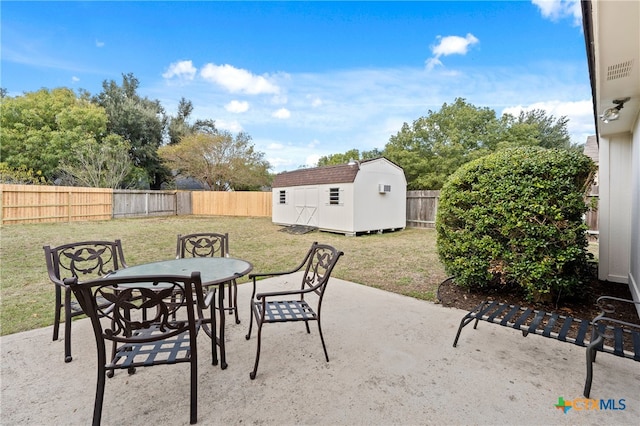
point(84, 260)
point(320, 261)
point(202, 245)
point(138, 303)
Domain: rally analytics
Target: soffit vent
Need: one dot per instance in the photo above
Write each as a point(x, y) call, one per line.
point(621, 70)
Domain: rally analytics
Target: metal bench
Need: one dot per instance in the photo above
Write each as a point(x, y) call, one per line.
point(609, 335)
point(527, 320)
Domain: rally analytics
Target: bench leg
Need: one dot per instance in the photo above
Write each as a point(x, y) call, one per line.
point(464, 322)
point(591, 357)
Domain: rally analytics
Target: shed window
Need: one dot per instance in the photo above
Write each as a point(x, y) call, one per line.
point(334, 196)
point(283, 197)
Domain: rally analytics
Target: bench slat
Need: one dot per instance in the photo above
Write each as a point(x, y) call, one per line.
point(511, 313)
point(582, 333)
point(522, 318)
point(562, 336)
point(550, 324)
point(497, 312)
point(536, 321)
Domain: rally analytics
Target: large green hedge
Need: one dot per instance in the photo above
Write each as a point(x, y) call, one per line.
point(515, 218)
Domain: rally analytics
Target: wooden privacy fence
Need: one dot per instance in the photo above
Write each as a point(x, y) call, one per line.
point(422, 207)
point(591, 217)
point(39, 203)
point(220, 203)
point(144, 203)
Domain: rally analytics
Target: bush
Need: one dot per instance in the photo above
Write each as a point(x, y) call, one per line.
point(515, 218)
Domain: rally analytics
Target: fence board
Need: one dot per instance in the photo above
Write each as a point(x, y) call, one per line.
point(183, 203)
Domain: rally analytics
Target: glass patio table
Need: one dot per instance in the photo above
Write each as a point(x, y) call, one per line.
point(213, 271)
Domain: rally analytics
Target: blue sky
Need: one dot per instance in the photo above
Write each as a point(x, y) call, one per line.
point(307, 79)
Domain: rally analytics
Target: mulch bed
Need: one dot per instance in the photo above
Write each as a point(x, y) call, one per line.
point(451, 295)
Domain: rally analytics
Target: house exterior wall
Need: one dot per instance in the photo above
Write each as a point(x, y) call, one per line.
point(634, 270)
point(615, 207)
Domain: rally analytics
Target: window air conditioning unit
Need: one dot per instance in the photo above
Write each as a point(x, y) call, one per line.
point(382, 188)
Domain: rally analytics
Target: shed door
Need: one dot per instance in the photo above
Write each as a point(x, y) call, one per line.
point(306, 202)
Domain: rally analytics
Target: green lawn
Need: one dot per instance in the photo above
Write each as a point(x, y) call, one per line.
point(404, 262)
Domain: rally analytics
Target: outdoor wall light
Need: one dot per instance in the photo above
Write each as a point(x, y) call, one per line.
point(613, 113)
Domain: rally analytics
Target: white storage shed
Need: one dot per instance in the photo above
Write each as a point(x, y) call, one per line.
point(354, 198)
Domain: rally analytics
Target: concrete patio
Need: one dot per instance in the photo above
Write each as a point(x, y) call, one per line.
point(391, 362)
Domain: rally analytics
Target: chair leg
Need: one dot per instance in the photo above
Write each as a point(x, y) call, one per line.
point(326, 355)
point(591, 357)
point(56, 319)
point(252, 375)
point(194, 386)
point(248, 336)
point(67, 326)
point(235, 300)
point(214, 334)
point(97, 406)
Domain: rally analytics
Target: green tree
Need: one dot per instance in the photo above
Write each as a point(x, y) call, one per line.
point(99, 165)
point(218, 160)
point(352, 154)
point(139, 121)
point(41, 128)
point(20, 176)
point(434, 146)
point(178, 126)
point(535, 128)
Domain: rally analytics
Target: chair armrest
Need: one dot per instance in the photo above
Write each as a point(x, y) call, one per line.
point(283, 293)
point(609, 307)
point(271, 274)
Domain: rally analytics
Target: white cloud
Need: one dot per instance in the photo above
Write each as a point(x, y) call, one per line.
point(181, 69)
point(282, 113)
point(315, 101)
point(232, 125)
point(237, 106)
point(431, 63)
point(450, 45)
point(238, 80)
point(99, 43)
point(276, 146)
point(75, 79)
point(312, 160)
point(558, 9)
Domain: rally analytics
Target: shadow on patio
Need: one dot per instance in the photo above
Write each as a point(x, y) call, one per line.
point(391, 362)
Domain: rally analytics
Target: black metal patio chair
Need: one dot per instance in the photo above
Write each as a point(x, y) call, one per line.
point(209, 244)
point(612, 335)
point(84, 260)
point(142, 327)
point(291, 306)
